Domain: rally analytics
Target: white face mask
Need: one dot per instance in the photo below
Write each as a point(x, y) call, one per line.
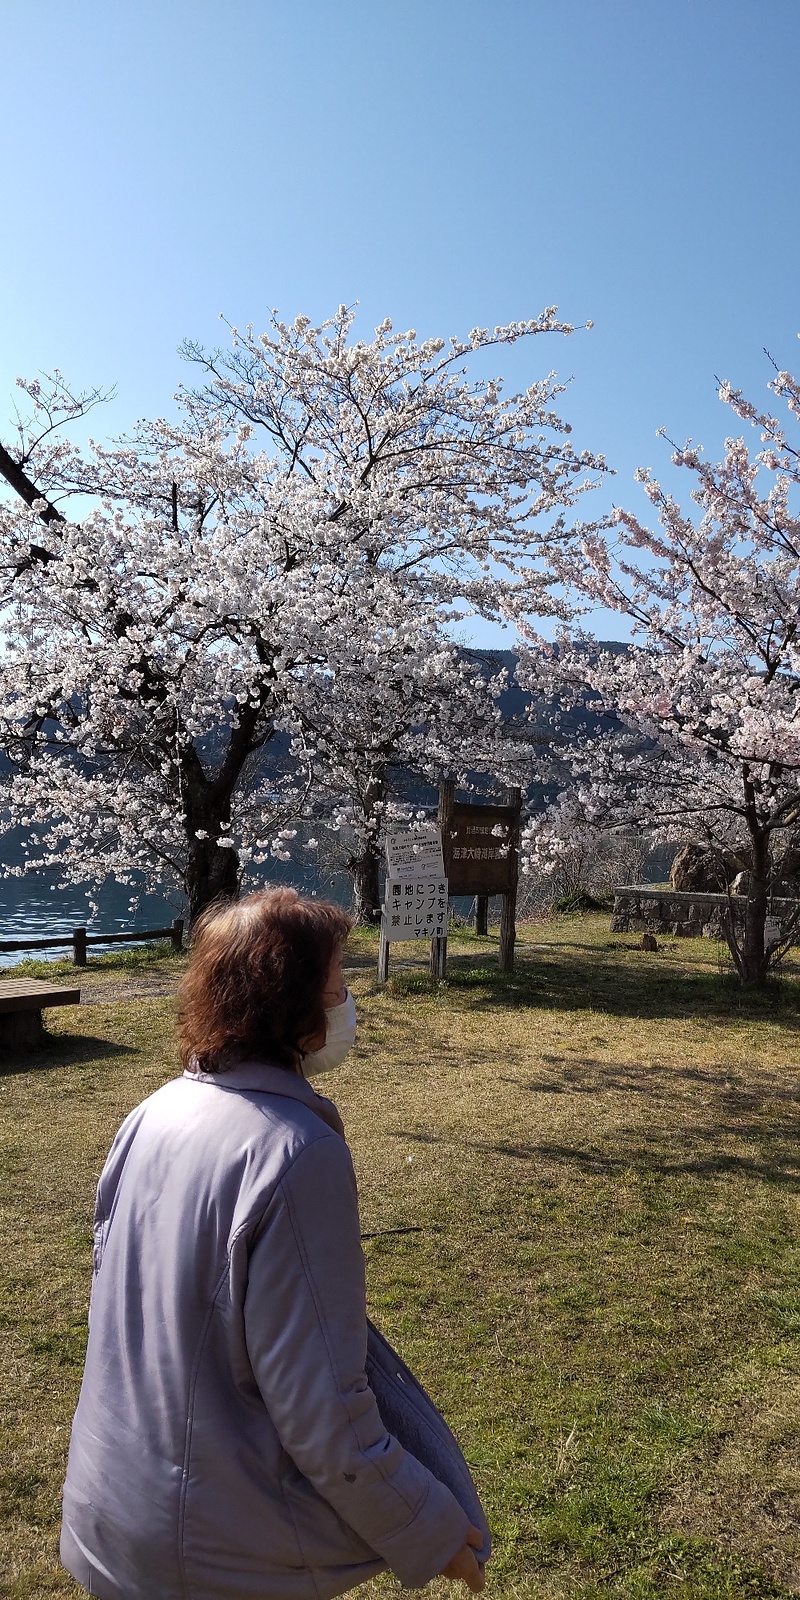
point(340, 1033)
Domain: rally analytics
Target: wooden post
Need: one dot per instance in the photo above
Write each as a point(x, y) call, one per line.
point(439, 957)
point(508, 933)
point(508, 928)
point(79, 947)
point(447, 795)
point(482, 914)
point(21, 1030)
point(383, 958)
point(177, 934)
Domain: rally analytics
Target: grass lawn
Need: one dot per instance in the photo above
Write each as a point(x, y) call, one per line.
point(579, 1191)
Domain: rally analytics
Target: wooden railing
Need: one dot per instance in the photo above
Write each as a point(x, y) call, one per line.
point(80, 940)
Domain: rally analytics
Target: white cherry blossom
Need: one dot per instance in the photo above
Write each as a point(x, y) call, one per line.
point(286, 557)
point(699, 720)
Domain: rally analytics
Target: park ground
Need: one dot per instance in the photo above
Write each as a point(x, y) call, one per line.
point(579, 1190)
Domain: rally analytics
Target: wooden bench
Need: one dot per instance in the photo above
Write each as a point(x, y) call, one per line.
point(21, 1003)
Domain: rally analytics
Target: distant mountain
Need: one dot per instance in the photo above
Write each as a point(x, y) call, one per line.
point(514, 703)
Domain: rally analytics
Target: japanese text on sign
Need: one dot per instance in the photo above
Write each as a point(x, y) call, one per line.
point(482, 848)
point(479, 852)
point(417, 851)
point(416, 908)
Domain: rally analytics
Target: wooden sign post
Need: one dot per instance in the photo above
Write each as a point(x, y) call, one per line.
point(480, 855)
point(481, 858)
point(447, 800)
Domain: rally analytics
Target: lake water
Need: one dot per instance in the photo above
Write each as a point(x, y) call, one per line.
point(31, 908)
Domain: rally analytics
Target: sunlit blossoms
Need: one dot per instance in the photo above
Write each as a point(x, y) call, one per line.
point(701, 736)
point(284, 557)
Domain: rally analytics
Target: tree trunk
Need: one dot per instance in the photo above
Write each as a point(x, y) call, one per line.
point(365, 868)
point(211, 874)
point(365, 861)
point(750, 957)
point(212, 868)
point(754, 957)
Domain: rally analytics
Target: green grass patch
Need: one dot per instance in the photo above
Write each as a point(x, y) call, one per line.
point(125, 959)
point(579, 1187)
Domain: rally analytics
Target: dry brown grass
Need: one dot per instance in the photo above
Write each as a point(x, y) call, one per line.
point(579, 1189)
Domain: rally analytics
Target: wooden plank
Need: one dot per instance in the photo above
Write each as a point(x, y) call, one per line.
point(56, 941)
point(35, 944)
point(31, 994)
point(33, 986)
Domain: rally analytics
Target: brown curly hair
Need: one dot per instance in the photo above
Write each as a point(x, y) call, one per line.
point(256, 980)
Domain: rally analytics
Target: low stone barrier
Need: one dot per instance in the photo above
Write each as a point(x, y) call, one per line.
point(638, 908)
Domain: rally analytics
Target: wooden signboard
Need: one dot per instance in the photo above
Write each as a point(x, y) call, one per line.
point(481, 857)
point(481, 848)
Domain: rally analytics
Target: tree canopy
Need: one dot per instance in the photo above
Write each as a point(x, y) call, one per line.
point(288, 554)
point(702, 735)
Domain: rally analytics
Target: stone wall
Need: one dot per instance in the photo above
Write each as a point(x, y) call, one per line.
point(638, 908)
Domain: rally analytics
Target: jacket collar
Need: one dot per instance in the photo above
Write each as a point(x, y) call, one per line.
point(264, 1078)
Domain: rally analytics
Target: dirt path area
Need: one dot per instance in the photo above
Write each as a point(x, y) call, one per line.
point(106, 988)
point(101, 987)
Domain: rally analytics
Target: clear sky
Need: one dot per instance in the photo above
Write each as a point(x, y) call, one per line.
point(444, 162)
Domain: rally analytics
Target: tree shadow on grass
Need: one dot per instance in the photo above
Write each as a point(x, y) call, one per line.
point(581, 978)
point(731, 1094)
point(702, 1158)
point(760, 1114)
point(776, 1167)
point(62, 1050)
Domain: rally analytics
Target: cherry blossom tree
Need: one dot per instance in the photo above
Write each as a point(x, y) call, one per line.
point(144, 672)
point(288, 554)
point(695, 729)
point(422, 708)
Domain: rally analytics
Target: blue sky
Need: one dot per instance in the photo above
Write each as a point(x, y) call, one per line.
point(444, 162)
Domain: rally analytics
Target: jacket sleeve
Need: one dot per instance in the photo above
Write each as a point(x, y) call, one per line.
point(306, 1331)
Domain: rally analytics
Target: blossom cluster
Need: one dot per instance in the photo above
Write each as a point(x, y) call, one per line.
point(277, 570)
point(693, 730)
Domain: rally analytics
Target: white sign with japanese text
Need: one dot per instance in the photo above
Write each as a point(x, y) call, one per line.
point(416, 851)
point(416, 908)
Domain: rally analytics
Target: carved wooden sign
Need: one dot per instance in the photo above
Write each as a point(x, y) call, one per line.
point(480, 845)
point(480, 849)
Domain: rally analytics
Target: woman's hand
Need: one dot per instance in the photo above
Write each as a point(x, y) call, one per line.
point(465, 1564)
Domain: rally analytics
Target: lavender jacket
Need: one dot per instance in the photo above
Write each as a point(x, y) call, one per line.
point(226, 1444)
